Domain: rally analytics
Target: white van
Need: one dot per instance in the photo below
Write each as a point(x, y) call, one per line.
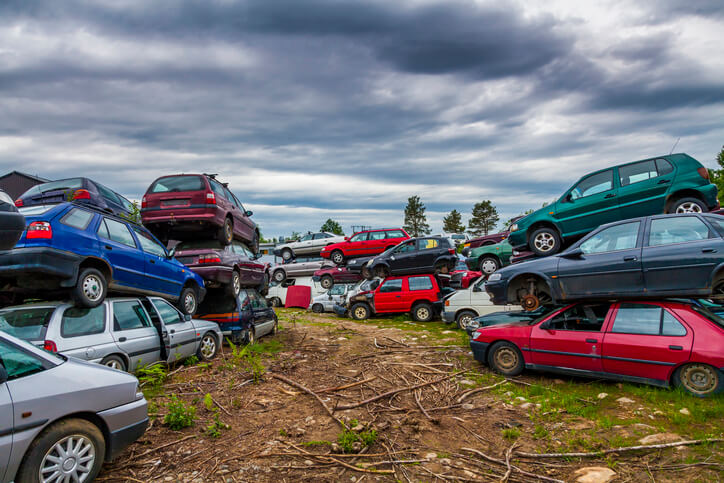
point(464, 305)
point(277, 295)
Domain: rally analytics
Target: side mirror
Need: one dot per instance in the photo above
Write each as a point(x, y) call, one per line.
point(575, 253)
point(171, 253)
point(3, 374)
point(187, 317)
point(248, 212)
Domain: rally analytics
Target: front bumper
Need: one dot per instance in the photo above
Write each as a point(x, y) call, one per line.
point(480, 350)
point(39, 262)
point(448, 317)
point(497, 292)
point(214, 273)
point(126, 424)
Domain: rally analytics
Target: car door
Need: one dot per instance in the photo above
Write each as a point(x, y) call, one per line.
point(376, 242)
point(163, 274)
point(643, 187)
point(263, 314)
point(6, 426)
point(608, 261)
point(590, 203)
point(134, 333)
point(403, 257)
point(120, 249)
point(571, 338)
point(251, 273)
point(428, 250)
point(356, 245)
point(246, 222)
point(388, 297)
point(645, 340)
point(182, 334)
point(84, 332)
point(680, 254)
point(305, 245)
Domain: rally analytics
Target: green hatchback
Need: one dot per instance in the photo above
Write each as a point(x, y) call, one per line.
point(489, 258)
point(676, 183)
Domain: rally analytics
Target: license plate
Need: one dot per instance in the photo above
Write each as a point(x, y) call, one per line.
point(170, 203)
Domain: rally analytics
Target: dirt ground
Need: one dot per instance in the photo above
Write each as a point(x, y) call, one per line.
point(267, 428)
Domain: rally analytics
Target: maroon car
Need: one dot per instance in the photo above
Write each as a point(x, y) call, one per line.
point(491, 239)
point(178, 207)
point(231, 266)
point(327, 277)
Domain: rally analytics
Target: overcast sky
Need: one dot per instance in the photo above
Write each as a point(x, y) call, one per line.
point(313, 109)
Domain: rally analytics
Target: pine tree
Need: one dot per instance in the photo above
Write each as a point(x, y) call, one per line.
point(332, 226)
point(485, 217)
point(415, 219)
point(452, 223)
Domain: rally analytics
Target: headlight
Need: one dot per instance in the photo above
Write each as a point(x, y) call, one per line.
point(494, 277)
point(514, 227)
point(465, 274)
point(473, 325)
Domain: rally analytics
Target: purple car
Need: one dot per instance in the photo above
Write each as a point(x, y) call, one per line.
point(231, 266)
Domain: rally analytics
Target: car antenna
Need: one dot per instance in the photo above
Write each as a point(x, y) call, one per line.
point(674, 146)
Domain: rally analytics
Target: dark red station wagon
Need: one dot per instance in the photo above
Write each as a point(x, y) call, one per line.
point(659, 343)
point(178, 207)
point(364, 243)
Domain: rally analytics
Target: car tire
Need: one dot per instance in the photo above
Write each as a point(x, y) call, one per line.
point(279, 275)
point(699, 380)
point(287, 254)
point(65, 440)
point(226, 232)
point(360, 311)
point(208, 347)
point(234, 286)
point(114, 362)
point(687, 205)
point(275, 302)
point(327, 282)
point(317, 308)
point(90, 289)
point(545, 241)
point(337, 257)
point(275, 327)
point(382, 272)
point(422, 312)
point(505, 358)
point(463, 317)
point(489, 264)
point(366, 273)
point(254, 243)
point(188, 301)
point(250, 336)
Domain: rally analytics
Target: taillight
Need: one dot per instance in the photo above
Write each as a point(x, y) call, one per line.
point(81, 195)
point(19, 203)
point(447, 303)
point(144, 203)
point(209, 258)
point(451, 251)
point(50, 346)
point(703, 172)
point(210, 199)
point(39, 229)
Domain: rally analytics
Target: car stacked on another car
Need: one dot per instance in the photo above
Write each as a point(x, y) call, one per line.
point(462, 277)
point(464, 305)
point(364, 243)
point(330, 276)
point(309, 245)
point(12, 222)
point(490, 239)
point(243, 318)
point(489, 258)
point(325, 302)
point(432, 254)
point(302, 267)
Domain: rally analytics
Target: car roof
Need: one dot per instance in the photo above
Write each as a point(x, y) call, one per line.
point(100, 211)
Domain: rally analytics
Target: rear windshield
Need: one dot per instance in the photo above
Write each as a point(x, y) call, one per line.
point(711, 311)
point(29, 324)
point(217, 303)
point(63, 184)
point(196, 244)
point(35, 210)
point(177, 183)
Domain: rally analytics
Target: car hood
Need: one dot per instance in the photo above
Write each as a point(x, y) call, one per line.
point(497, 248)
point(548, 265)
point(358, 262)
point(205, 325)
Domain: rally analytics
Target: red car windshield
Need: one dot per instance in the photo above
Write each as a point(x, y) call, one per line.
point(173, 184)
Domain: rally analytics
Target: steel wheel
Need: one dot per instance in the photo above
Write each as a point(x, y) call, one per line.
point(488, 266)
point(699, 379)
point(190, 303)
point(92, 287)
point(70, 459)
point(422, 313)
point(208, 347)
point(337, 257)
point(327, 282)
point(506, 358)
point(544, 242)
point(236, 282)
point(464, 319)
point(688, 207)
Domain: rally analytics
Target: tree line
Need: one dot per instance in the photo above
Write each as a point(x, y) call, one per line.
point(483, 220)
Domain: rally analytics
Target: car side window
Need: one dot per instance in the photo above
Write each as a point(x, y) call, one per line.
point(406, 247)
point(428, 243)
point(217, 188)
point(117, 231)
point(307, 237)
point(238, 203)
point(148, 244)
point(395, 234)
point(337, 290)
point(583, 317)
point(392, 286)
point(618, 237)
point(77, 218)
point(168, 313)
point(679, 229)
point(230, 196)
point(129, 314)
point(663, 167)
point(419, 283)
point(377, 235)
point(320, 236)
point(108, 194)
point(17, 362)
point(718, 223)
point(637, 172)
point(594, 184)
point(359, 237)
point(257, 302)
point(79, 321)
point(645, 319)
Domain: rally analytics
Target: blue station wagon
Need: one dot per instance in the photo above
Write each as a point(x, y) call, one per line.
point(73, 248)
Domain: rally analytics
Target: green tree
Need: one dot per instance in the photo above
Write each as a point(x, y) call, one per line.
point(332, 226)
point(485, 217)
point(453, 223)
point(415, 218)
point(717, 175)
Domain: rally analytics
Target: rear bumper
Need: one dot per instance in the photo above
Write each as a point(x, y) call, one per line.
point(172, 216)
point(39, 261)
point(215, 273)
point(448, 317)
point(480, 350)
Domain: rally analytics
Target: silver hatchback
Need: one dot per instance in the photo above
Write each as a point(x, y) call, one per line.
point(61, 418)
point(122, 333)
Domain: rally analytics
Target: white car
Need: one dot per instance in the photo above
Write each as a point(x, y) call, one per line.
point(456, 238)
point(277, 295)
point(325, 302)
point(464, 305)
point(311, 244)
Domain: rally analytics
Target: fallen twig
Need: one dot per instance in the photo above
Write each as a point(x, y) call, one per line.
point(480, 389)
point(220, 406)
point(347, 386)
point(309, 391)
point(619, 450)
point(159, 447)
point(519, 470)
point(508, 454)
point(422, 409)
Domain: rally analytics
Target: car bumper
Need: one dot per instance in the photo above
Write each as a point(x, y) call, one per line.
point(496, 291)
point(448, 317)
point(39, 261)
point(480, 350)
point(216, 273)
point(125, 425)
point(340, 310)
point(202, 213)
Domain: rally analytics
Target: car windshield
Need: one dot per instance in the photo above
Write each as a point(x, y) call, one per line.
point(26, 323)
point(198, 244)
point(63, 184)
point(177, 183)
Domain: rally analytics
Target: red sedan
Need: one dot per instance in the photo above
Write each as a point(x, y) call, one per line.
point(659, 343)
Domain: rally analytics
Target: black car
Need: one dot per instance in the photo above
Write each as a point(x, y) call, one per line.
point(81, 190)
point(433, 254)
point(357, 264)
point(678, 255)
point(12, 223)
point(243, 318)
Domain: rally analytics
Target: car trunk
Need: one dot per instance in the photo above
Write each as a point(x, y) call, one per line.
point(191, 257)
point(176, 192)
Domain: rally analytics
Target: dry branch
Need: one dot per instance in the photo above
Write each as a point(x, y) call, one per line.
point(519, 470)
point(347, 386)
point(480, 389)
point(309, 391)
point(619, 450)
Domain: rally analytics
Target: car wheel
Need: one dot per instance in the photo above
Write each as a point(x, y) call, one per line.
point(699, 379)
point(188, 301)
point(287, 254)
point(317, 308)
point(279, 275)
point(90, 290)
point(463, 318)
point(337, 257)
point(208, 347)
point(422, 312)
point(275, 302)
point(687, 205)
point(506, 359)
point(69, 450)
point(489, 265)
point(366, 273)
point(360, 311)
point(114, 362)
point(250, 336)
point(382, 272)
point(234, 286)
point(545, 241)
point(254, 243)
point(226, 232)
point(327, 282)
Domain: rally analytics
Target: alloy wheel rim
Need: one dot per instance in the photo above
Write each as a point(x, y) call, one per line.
point(699, 379)
point(237, 283)
point(337, 258)
point(229, 230)
point(190, 303)
point(464, 320)
point(114, 364)
point(208, 347)
point(70, 459)
point(688, 207)
point(423, 313)
point(544, 242)
point(92, 288)
point(506, 358)
point(278, 276)
point(489, 266)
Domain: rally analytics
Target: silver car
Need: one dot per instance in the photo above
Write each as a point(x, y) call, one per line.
point(309, 244)
point(121, 333)
point(61, 418)
point(302, 268)
point(325, 302)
